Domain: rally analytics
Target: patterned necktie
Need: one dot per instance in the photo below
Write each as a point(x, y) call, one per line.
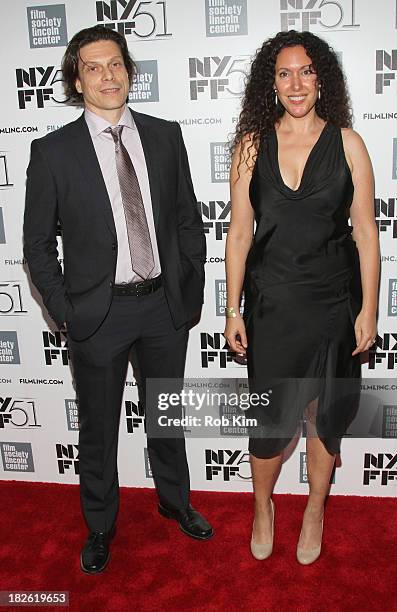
point(137, 228)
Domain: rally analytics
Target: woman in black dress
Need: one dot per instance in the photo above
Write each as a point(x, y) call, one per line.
point(299, 171)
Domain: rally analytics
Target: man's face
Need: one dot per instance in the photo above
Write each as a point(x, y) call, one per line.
point(103, 78)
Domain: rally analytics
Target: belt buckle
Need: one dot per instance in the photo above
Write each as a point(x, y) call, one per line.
point(139, 288)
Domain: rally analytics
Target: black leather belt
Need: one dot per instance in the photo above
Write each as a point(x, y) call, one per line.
point(137, 289)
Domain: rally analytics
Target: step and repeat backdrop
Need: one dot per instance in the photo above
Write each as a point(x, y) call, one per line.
point(192, 57)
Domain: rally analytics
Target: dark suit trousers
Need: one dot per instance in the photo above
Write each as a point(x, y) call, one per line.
point(100, 365)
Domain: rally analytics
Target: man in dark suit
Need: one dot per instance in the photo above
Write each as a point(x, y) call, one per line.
point(134, 250)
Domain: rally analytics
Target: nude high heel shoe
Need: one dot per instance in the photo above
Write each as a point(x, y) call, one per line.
point(306, 557)
point(263, 551)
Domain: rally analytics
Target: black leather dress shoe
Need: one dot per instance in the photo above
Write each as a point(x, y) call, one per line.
point(95, 555)
point(190, 522)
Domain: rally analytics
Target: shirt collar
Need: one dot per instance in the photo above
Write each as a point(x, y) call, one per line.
point(97, 124)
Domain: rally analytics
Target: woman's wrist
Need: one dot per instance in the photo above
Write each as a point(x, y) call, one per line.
point(231, 312)
point(369, 310)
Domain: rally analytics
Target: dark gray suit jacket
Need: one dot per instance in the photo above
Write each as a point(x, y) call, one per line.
point(65, 183)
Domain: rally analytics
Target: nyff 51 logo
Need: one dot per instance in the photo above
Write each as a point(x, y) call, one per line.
point(11, 302)
point(55, 348)
point(318, 15)
point(384, 354)
point(215, 351)
point(5, 182)
point(18, 413)
point(381, 468)
point(215, 215)
point(132, 17)
point(386, 216)
point(39, 85)
point(2, 228)
point(386, 67)
point(217, 77)
point(135, 416)
point(67, 457)
point(227, 464)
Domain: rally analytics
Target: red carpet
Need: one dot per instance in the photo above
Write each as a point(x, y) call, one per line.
point(156, 567)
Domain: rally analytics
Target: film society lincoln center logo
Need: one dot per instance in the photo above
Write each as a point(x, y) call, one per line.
point(220, 162)
point(226, 17)
point(392, 303)
point(17, 456)
point(394, 167)
point(389, 420)
point(47, 26)
point(145, 84)
point(148, 468)
point(303, 477)
point(72, 415)
point(221, 298)
point(9, 349)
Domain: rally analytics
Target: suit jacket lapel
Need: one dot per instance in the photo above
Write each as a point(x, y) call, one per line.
point(84, 150)
point(151, 150)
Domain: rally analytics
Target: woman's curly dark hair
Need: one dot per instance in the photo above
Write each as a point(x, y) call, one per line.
point(259, 109)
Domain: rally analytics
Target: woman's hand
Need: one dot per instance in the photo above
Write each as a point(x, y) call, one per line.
point(365, 330)
point(235, 335)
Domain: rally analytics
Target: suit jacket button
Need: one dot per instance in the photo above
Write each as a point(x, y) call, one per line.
point(111, 284)
point(113, 247)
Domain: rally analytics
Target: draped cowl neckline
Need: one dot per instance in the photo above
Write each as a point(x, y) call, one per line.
point(307, 185)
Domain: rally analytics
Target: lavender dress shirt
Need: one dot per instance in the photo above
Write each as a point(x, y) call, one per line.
point(105, 151)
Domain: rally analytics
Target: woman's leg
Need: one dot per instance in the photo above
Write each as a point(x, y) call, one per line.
point(264, 476)
point(320, 464)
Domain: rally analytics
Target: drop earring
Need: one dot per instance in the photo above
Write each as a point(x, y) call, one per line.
point(319, 92)
point(275, 97)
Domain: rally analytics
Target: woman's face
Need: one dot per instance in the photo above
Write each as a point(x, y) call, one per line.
point(295, 81)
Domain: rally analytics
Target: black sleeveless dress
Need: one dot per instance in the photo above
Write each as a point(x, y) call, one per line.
point(302, 294)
